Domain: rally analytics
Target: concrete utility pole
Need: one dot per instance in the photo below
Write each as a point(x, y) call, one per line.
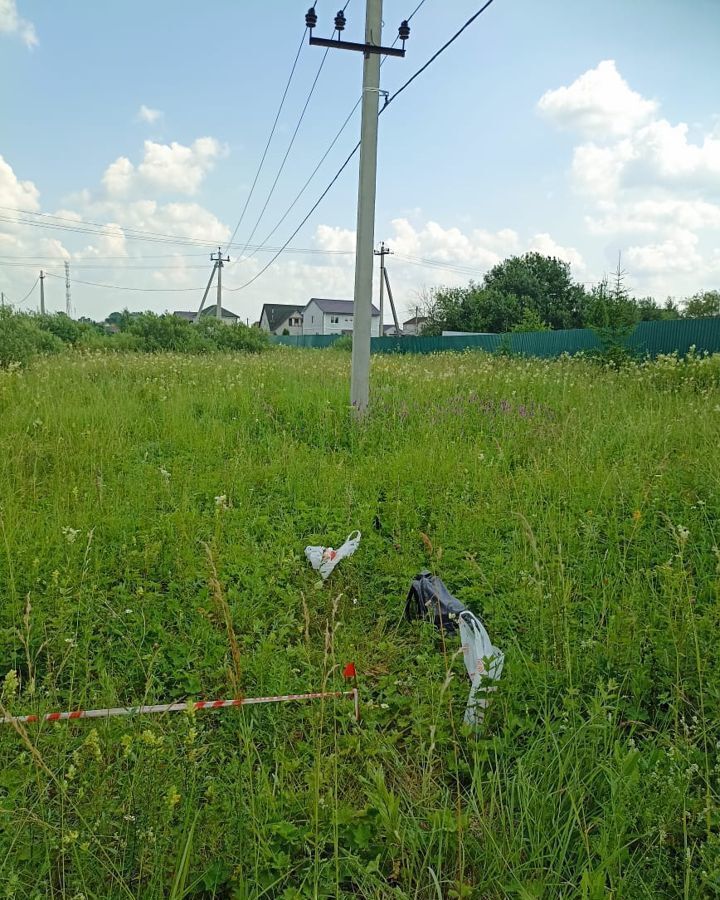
point(365, 233)
point(2, 299)
point(382, 253)
point(68, 307)
point(362, 307)
point(207, 291)
point(42, 292)
point(392, 302)
point(219, 262)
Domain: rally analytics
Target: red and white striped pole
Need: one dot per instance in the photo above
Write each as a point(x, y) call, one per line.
point(182, 707)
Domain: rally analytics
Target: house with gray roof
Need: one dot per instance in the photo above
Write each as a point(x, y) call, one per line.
point(281, 318)
point(323, 316)
point(227, 317)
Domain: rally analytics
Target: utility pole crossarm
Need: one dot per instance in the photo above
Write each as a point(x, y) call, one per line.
point(368, 47)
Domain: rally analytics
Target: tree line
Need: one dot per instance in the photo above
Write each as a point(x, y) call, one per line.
point(24, 336)
point(534, 292)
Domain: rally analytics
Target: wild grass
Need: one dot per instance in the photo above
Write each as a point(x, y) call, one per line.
point(153, 515)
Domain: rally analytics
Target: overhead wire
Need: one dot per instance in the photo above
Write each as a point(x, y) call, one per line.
point(329, 148)
point(292, 141)
point(20, 303)
point(270, 137)
point(352, 153)
point(121, 287)
point(138, 234)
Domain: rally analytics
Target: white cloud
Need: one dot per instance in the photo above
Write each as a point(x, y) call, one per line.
point(12, 23)
point(146, 114)
point(335, 239)
point(598, 103)
point(641, 176)
point(173, 168)
point(653, 215)
point(543, 243)
point(478, 248)
point(678, 253)
point(16, 194)
point(119, 177)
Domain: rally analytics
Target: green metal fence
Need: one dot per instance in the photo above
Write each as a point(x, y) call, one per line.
point(647, 339)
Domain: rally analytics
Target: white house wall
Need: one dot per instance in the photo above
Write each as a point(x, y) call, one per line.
point(315, 321)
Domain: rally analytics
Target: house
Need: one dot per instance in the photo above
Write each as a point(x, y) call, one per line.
point(334, 317)
point(415, 325)
point(391, 331)
point(281, 318)
point(229, 318)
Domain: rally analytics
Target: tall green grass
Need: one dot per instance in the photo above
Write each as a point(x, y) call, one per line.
point(574, 508)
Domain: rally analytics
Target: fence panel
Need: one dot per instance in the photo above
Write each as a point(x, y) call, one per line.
point(552, 343)
point(652, 338)
point(676, 335)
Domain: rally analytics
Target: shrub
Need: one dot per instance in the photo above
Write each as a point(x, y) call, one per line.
point(231, 337)
point(21, 339)
point(344, 342)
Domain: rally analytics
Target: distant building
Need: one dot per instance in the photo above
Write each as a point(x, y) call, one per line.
point(416, 325)
point(229, 318)
point(391, 331)
point(277, 318)
point(334, 317)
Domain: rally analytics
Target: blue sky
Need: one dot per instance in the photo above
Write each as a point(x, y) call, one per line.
point(579, 129)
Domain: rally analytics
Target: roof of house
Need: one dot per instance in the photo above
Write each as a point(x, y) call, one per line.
point(416, 320)
point(208, 311)
point(277, 313)
point(389, 329)
point(339, 307)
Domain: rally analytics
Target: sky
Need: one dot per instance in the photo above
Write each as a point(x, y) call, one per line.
point(579, 129)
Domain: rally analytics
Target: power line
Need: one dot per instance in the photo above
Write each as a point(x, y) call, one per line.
point(120, 287)
point(289, 148)
point(270, 137)
point(130, 236)
point(435, 55)
point(29, 292)
point(357, 146)
point(312, 210)
point(421, 3)
point(332, 143)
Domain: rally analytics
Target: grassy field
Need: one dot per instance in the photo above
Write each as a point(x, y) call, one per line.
point(573, 508)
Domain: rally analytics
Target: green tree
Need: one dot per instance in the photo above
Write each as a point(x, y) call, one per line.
point(542, 284)
point(530, 321)
point(704, 303)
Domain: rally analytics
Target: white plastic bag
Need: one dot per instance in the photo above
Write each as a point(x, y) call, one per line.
point(324, 559)
point(482, 660)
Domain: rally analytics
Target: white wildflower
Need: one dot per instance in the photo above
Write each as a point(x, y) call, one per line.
point(70, 534)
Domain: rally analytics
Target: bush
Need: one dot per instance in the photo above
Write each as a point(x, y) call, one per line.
point(166, 332)
point(21, 339)
point(344, 342)
point(68, 330)
point(231, 337)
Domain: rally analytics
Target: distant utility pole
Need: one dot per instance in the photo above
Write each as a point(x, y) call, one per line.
point(392, 302)
point(382, 253)
point(362, 308)
point(68, 307)
point(219, 263)
point(207, 291)
point(42, 292)
point(2, 299)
